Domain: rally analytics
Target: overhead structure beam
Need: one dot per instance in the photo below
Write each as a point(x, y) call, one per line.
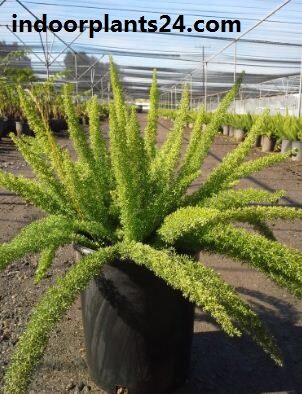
point(235, 40)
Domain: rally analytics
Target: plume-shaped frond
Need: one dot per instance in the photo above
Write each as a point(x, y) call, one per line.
point(203, 287)
point(50, 309)
point(118, 102)
point(40, 165)
point(75, 130)
point(151, 128)
point(249, 167)
point(126, 184)
point(280, 263)
point(40, 126)
point(228, 199)
point(39, 195)
point(45, 261)
point(99, 150)
point(201, 140)
point(194, 219)
point(37, 236)
point(226, 168)
point(165, 162)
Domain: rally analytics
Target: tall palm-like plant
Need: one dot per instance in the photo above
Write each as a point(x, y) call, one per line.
point(130, 201)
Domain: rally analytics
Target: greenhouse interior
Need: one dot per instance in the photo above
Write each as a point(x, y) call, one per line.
point(150, 197)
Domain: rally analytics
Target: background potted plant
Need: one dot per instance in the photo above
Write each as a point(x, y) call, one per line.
point(127, 207)
point(297, 145)
point(269, 133)
point(287, 131)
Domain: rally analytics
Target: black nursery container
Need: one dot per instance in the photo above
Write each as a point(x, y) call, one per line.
point(138, 331)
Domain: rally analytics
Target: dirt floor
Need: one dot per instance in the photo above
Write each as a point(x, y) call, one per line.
point(219, 364)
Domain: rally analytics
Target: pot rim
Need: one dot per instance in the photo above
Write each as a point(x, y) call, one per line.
point(83, 249)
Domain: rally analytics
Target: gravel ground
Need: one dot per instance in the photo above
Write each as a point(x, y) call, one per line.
point(219, 364)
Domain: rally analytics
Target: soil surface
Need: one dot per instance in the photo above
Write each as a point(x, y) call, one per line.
point(219, 364)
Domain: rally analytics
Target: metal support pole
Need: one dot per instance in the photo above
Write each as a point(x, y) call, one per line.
point(286, 106)
point(102, 90)
point(76, 77)
point(46, 55)
point(203, 69)
point(205, 85)
point(92, 81)
point(191, 93)
point(235, 71)
point(175, 91)
point(300, 91)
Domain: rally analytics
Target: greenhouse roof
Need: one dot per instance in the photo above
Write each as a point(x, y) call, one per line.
point(268, 48)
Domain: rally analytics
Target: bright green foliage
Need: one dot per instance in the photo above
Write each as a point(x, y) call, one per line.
point(129, 199)
point(202, 140)
point(238, 198)
point(204, 287)
point(53, 230)
point(194, 219)
point(167, 158)
point(31, 191)
point(75, 130)
point(224, 170)
point(151, 128)
point(49, 310)
point(280, 263)
point(46, 258)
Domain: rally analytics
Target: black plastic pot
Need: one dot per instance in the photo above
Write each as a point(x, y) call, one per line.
point(258, 142)
point(239, 135)
point(297, 147)
point(268, 143)
point(22, 128)
point(225, 130)
point(1, 128)
point(7, 126)
point(57, 125)
point(138, 331)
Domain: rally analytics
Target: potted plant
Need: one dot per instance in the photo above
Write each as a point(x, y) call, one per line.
point(297, 145)
point(126, 208)
point(239, 127)
point(287, 131)
point(290, 134)
point(225, 125)
point(269, 133)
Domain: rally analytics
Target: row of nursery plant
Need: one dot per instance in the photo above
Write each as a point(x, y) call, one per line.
point(47, 94)
point(279, 126)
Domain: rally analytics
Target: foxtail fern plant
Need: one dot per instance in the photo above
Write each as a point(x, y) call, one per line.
point(129, 200)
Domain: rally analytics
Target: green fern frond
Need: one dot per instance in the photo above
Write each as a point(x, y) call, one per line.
point(231, 161)
point(151, 128)
point(40, 126)
point(118, 102)
point(45, 261)
point(280, 263)
point(164, 164)
point(41, 166)
point(99, 150)
point(195, 220)
point(228, 199)
point(49, 310)
point(204, 287)
point(39, 195)
point(201, 141)
point(77, 134)
point(252, 166)
point(37, 236)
